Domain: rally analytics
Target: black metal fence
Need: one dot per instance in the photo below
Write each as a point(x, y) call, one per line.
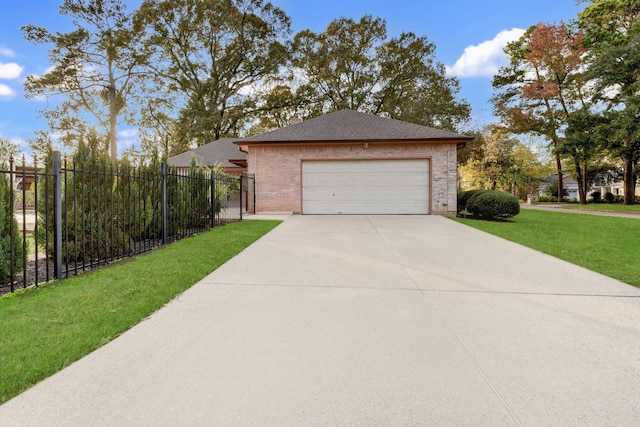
point(62, 218)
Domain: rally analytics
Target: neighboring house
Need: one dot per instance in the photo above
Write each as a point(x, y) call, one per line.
point(569, 184)
point(24, 177)
point(616, 188)
point(349, 162)
point(222, 152)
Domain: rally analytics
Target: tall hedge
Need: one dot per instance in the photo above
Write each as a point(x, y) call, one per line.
point(7, 223)
point(92, 219)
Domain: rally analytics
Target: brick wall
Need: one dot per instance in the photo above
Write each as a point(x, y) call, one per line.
point(278, 170)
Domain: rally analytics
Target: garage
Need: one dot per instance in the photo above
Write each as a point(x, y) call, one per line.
point(350, 162)
point(365, 187)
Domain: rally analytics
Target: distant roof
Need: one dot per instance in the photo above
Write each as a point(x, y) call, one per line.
point(218, 152)
point(566, 179)
point(349, 125)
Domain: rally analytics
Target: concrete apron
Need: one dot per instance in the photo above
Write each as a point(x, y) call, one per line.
point(366, 320)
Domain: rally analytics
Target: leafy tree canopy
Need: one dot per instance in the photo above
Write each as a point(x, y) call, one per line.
point(95, 68)
point(355, 65)
point(209, 59)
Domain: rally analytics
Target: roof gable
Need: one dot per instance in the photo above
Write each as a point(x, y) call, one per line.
point(218, 153)
point(349, 125)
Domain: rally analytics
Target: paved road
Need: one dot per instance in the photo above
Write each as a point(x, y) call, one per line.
point(366, 320)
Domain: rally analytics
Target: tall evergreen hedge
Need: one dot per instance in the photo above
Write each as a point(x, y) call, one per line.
point(7, 224)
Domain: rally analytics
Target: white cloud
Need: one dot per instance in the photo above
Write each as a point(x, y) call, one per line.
point(6, 52)
point(10, 70)
point(128, 133)
point(127, 138)
point(6, 91)
point(484, 59)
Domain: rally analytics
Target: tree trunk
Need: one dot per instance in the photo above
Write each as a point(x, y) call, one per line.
point(113, 116)
point(113, 137)
point(581, 181)
point(585, 178)
point(560, 181)
point(629, 182)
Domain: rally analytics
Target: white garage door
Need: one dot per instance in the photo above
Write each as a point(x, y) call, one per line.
point(365, 187)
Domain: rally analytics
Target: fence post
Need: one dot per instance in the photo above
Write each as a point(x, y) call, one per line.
point(57, 215)
point(11, 208)
point(164, 203)
point(213, 199)
point(241, 195)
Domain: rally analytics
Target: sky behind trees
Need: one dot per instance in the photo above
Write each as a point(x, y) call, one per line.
point(469, 37)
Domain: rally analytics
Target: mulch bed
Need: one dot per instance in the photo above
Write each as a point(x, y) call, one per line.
point(30, 273)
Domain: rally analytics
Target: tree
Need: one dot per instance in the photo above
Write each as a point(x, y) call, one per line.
point(95, 68)
point(11, 255)
point(543, 84)
point(7, 150)
point(496, 160)
point(209, 58)
point(353, 65)
point(282, 105)
point(526, 171)
point(485, 160)
point(553, 189)
point(584, 139)
point(613, 36)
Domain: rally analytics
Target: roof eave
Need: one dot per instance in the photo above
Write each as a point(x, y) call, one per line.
point(360, 141)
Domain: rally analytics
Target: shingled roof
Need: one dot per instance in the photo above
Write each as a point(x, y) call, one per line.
point(349, 125)
point(218, 153)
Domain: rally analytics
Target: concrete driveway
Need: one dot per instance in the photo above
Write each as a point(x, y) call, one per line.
point(366, 320)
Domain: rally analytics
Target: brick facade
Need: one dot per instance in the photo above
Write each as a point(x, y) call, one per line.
point(278, 169)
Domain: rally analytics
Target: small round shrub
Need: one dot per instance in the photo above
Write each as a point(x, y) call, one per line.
point(491, 204)
point(609, 197)
point(596, 197)
point(463, 198)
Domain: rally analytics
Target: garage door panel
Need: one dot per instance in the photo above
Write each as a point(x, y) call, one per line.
point(364, 208)
point(379, 195)
point(366, 187)
point(378, 177)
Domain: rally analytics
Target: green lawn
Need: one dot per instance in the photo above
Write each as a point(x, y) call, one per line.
point(608, 245)
point(45, 329)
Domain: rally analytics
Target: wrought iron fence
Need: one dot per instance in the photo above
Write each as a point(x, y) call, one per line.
point(62, 218)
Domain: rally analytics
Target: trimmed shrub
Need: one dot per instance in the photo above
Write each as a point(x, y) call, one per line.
point(596, 197)
point(547, 199)
point(609, 197)
point(491, 204)
point(463, 198)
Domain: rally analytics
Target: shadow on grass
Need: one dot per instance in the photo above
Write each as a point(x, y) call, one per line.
point(509, 220)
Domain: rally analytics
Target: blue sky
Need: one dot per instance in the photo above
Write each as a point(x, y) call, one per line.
point(468, 35)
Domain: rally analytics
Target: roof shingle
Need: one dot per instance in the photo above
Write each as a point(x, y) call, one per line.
point(349, 125)
point(218, 153)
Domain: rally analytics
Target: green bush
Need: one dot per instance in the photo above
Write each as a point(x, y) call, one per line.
point(547, 199)
point(609, 197)
point(596, 197)
point(463, 198)
point(491, 204)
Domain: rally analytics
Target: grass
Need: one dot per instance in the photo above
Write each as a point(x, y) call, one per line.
point(43, 330)
point(604, 244)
